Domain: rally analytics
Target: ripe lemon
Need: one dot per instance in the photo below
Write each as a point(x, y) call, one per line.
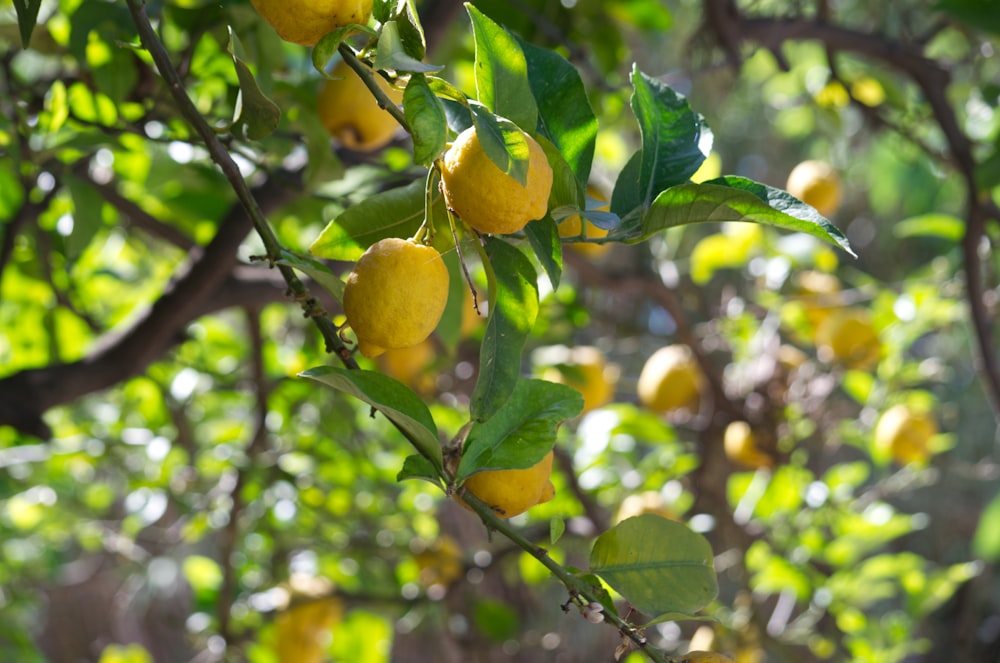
point(440, 563)
point(512, 492)
point(484, 196)
point(306, 21)
point(649, 501)
point(740, 445)
point(819, 293)
point(670, 380)
point(409, 365)
point(302, 630)
point(816, 183)
point(395, 295)
point(573, 227)
point(586, 370)
point(352, 115)
point(848, 337)
point(904, 434)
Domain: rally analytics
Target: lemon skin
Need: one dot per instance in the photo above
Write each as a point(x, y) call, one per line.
point(670, 380)
point(904, 434)
point(306, 21)
point(351, 114)
point(816, 183)
point(512, 492)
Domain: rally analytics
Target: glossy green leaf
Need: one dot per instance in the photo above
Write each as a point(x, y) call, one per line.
point(411, 33)
point(543, 235)
point(425, 115)
point(315, 270)
point(255, 112)
point(390, 397)
point(394, 213)
point(393, 54)
point(522, 430)
point(501, 72)
point(27, 18)
point(564, 113)
point(986, 541)
point(513, 309)
point(503, 142)
point(732, 198)
point(418, 467)
point(675, 139)
point(658, 565)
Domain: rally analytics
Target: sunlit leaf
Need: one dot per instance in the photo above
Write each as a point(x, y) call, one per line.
point(501, 72)
point(425, 115)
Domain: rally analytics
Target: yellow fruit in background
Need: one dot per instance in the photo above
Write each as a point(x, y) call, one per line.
point(586, 370)
point(819, 293)
point(306, 21)
point(816, 183)
point(471, 318)
point(649, 501)
point(409, 365)
point(904, 434)
point(512, 492)
point(350, 112)
point(703, 657)
point(303, 628)
point(848, 337)
point(573, 227)
point(670, 379)
point(740, 445)
point(395, 295)
point(484, 196)
point(440, 563)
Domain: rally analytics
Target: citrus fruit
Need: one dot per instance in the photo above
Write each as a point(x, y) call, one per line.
point(303, 629)
point(395, 295)
point(740, 445)
point(484, 196)
point(816, 183)
point(650, 501)
point(847, 336)
point(819, 293)
point(306, 21)
point(350, 112)
point(586, 370)
point(904, 433)
point(574, 227)
point(409, 365)
point(440, 563)
point(512, 492)
point(670, 380)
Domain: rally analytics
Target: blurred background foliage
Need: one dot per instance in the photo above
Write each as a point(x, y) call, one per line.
point(173, 510)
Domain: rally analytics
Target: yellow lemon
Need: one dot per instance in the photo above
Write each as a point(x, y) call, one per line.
point(816, 183)
point(440, 563)
point(740, 445)
point(670, 380)
point(395, 295)
point(409, 365)
point(819, 293)
point(576, 226)
point(587, 371)
point(512, 492)
point(350, 112)
point(904, 434)
point(848, 337)
point(303, 629)
point(484, 196)
point(306, 21)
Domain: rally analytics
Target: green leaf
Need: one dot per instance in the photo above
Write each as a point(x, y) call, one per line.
point(392, 54)
point(942, 226)
point(986, 540)
point(27, 18)
point(564, 113)
point(327, 47)
point(648, 15)
point(513, 309)
point(731, 198)
point(254, 111)
point(979, 14)
point(504, 143)
point(557, 527)
point(543, 235)
point(382, 10)
point(315, 270)
point(411, 33)
point(418, 467)
point(675, 139)
point(390, 397)
point(501, 72)
point(522, 431)
point(658, 565)
point(425, 115)
point(495, 619)
point(393, 213)
point(626, 197)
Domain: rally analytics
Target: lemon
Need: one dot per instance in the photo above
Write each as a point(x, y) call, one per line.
point(303, 629)
point(440, 563)
point(740, 445)
point(848, 337)
point(573, 227)
point(649, 501)
point(670, 380)
point(351, 114)
point(306, 21)
point(395, 295)
point(484, 196)
point(816, 183)
point(586, 370)
point(904, 434)
point(819, 293)
point(409, 365)
point(512, 492)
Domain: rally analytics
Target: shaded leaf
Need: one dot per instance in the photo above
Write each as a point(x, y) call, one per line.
point(504, 143)
point(543, 235)
point(315, 270)
point(27, 18)
point(418, 467)
point(393, 54)
point(425, 115)
point(254, 110)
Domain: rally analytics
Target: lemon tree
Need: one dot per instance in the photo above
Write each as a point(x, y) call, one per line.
point(271, 437)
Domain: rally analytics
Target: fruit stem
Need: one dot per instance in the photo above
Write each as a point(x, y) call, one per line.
point(573, 584)
point(368, 76)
